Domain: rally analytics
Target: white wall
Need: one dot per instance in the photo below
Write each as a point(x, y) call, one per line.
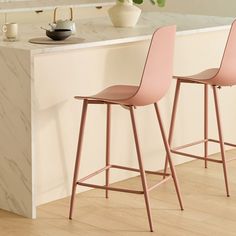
point(201, 7)
point(47, 15)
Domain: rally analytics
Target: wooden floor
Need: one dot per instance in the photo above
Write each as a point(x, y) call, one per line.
point(207, 210)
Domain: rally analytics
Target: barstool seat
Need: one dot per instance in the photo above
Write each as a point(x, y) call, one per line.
point(155, 81)
point(113, 93)
point(203, 77)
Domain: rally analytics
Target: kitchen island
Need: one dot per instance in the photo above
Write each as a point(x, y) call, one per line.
point(40, 119)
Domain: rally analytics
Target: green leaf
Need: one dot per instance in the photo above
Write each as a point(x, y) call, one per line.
point(138, 1)
point(161, 3)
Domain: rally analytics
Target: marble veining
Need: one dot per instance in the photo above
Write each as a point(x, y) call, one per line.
point(100, 32)
point(15, 126)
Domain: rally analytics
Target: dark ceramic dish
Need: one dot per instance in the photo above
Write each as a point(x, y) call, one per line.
point(59, 34)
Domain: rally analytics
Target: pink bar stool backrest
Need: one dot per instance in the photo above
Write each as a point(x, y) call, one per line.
point(158, 69)
point(226, 75)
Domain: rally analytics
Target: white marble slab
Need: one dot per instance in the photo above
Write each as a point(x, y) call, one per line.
point(100, 32)
point(19, 6)
point(16, 184)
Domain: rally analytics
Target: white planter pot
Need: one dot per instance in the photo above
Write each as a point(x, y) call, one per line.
point(124, 14)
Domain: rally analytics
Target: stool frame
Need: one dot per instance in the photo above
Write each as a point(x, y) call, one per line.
point(145, 188)
point(206, 140)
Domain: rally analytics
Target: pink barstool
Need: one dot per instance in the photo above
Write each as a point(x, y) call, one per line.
point(156, 79)
point(214, 78)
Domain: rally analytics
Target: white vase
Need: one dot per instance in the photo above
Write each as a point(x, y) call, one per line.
point(124, 14)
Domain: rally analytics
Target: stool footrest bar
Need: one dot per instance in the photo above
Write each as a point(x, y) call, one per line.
point(159, 183)
point(137, 170)
point(225, 143)
point(123, 168)
point(197, 157)
point(202, 141)
point(190, 144)
point(174, 150)
point(110, 188)
point(81, 181)
point(95, 173)
point(122, 189)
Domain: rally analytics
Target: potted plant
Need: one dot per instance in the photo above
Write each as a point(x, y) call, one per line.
point(160, 3)
point(125, 14)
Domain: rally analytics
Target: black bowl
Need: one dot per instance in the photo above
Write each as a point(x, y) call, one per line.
point(59, 34)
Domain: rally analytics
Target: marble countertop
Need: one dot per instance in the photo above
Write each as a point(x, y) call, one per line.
point(19, 6)
point(100, 32)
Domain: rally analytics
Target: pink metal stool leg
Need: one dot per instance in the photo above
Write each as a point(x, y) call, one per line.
point(108, 145)
point(168, 156)
point(78, 156)
point(141, 168)
point(172, 123)
point(206, 123)
point(222, 150)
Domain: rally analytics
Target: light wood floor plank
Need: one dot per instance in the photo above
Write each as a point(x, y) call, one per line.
point(207, 209)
